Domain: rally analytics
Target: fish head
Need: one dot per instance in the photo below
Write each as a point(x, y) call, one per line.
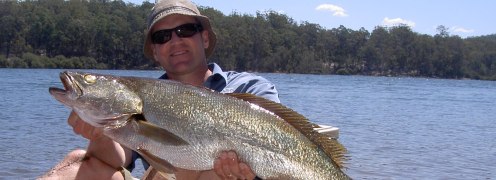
point(100, 100)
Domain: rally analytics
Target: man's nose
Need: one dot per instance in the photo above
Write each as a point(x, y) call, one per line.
point(174, 37)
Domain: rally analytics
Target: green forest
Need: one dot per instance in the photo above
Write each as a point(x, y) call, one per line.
point(104, 34)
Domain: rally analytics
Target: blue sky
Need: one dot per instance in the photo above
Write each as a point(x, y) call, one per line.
point(465, 18)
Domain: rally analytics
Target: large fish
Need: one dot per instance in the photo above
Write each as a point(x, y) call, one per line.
point(179, 125)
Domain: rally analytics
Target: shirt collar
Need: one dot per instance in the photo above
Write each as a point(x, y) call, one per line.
point(218, 80)
point(216, 70)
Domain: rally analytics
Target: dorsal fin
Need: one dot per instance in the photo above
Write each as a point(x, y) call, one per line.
point(331, 147)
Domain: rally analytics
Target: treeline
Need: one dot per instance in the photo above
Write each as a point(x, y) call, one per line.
point(109, 35)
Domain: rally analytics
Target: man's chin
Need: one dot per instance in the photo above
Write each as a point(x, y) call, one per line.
point(179, 69)
point(182, 67)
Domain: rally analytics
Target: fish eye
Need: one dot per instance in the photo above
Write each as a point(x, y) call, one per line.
point(90, 79)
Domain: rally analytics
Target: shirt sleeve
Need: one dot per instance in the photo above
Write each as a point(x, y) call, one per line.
point(266, 90)
point(253, 84)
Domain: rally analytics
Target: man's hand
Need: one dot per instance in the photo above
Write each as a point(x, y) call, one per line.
point(83, 128)
point(227, 166)
point(100, 147)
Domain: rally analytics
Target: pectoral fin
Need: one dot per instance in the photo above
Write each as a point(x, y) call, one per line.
point(158, 134)
point(157, 163)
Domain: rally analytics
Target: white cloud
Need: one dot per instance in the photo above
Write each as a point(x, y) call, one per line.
point(337, 11)
point(462, 30)
point(397, 21)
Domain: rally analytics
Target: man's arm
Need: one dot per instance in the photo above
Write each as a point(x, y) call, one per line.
point(110, 152)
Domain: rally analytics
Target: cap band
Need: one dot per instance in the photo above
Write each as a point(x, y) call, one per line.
point(169, 10)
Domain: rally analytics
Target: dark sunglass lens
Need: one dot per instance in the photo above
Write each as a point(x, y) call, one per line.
point(161, 37)
point(183, 31)
point(187, 30)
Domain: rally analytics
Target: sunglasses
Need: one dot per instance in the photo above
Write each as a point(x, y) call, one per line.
point(182, 31)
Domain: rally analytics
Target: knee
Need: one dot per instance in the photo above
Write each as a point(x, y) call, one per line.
point(68, 167)
point(75, 155)
point(77, 152)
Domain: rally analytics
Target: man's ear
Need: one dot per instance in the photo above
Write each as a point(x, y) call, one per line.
point(154, 52)
point(206, 40)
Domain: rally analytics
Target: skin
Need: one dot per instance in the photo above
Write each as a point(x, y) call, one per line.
point(184, 60)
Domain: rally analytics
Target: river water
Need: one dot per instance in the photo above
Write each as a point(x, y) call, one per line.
point(393, 128)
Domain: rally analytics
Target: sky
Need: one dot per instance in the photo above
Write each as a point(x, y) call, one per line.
point(465, 18)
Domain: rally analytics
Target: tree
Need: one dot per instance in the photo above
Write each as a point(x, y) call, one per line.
point(443, 31)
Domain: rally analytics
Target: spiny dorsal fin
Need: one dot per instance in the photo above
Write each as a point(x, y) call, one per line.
point(331, 147)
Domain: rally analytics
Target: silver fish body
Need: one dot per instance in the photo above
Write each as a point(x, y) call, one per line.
point(188, 126)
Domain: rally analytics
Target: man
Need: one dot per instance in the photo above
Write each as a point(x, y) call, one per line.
point(180, 39)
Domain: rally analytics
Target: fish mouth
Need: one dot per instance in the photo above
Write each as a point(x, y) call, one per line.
point(70, 87)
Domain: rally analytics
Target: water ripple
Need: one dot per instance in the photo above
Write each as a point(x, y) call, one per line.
point(394, 128)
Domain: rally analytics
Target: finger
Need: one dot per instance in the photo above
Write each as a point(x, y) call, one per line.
point(233, 164)
point(90, 132)
point(72, 119)
point(224, 163)
point(96, 132)
point(77, 126)
point(83, 128)
point(218, 168)
point(86, 130)
point(246, 171)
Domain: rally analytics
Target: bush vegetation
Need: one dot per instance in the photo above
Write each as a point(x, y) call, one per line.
point(107, 34)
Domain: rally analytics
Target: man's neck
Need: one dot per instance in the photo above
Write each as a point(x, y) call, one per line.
point(196, 78)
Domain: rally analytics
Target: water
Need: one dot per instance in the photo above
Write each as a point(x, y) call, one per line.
point(394, 128)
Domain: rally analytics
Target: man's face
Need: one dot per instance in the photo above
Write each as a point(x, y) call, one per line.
point(180, 55)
